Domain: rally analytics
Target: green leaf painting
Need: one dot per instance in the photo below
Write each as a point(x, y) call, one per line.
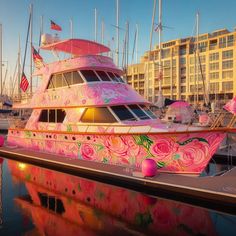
point(191, 139)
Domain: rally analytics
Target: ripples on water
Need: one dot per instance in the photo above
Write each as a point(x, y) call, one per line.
point(39, 201)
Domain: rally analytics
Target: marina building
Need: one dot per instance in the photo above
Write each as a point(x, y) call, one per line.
point(196, 69)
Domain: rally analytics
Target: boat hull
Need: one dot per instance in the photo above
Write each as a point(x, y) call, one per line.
point(183, 153)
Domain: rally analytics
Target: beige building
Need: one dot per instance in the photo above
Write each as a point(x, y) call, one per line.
point(194, 73)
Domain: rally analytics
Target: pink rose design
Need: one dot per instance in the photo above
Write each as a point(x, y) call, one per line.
point(116, 145)
point(163, 148)
point(88, 152)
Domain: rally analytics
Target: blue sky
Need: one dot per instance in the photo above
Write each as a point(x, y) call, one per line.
point(177, 14)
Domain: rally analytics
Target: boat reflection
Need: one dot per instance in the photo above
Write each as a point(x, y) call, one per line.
point(62, 204)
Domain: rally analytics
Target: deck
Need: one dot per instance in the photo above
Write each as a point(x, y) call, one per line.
point(213, 192)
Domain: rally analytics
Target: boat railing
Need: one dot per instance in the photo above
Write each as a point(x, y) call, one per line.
point(22, 98)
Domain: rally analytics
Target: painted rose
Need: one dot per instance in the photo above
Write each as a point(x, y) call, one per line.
point(133, 148)
point(92, 92)
point(116, 145)
point(193, 154)
point(163, 148)
point(88, 152)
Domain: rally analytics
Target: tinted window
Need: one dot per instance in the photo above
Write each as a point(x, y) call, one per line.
point(43, 116)
point(148, 111)
point(60, 115)
point(112, 76)
point(139, 112)
point(119, 78)
point(89, 75)
point(123, 113)
point(103, 75)
point(52, 115)
point(98, 115)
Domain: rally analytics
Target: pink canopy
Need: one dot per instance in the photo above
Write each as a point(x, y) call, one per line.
point(77, 47)
point(231, 106)
point(179, 104)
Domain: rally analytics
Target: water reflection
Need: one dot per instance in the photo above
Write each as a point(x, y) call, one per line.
point(62, 204)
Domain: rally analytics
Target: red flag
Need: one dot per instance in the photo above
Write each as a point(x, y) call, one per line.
point(38, 60)
point(54, 26)
point(24, 82)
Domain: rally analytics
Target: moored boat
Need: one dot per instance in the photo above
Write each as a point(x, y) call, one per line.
point(83, 109)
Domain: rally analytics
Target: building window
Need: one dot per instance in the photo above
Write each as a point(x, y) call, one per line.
point(183, 70)
point(227, 74)
point(182, 60)
point(227, 54)
point(183, 80)
point(183, 89)
point(165, 53)
point(230, 40)
point(214, 56)
point(227, 86)
point(182, 50)
point(222, 42)
point(214, 75)
point(214, 66)
point(214, 87)
point(202, 46)
point(213, 44)
point(227, 64)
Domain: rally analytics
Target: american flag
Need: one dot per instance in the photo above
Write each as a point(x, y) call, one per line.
point(38, 60)
point(55, 26)
point(24, 84)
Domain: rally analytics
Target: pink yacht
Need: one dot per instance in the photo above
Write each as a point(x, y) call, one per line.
point(83, 109)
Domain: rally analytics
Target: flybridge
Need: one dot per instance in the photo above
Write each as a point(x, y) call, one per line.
point(78, 47)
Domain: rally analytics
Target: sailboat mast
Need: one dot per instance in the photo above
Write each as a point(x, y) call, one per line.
point(159, 37)
point(31, 54)
point(95, 24)
point(146, 90)
point(19, 68)
point(117, 33)
point(197, 49)
point(136, 46)
point(1, 57)
point(102, 31)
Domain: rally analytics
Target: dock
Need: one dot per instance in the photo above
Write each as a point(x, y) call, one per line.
point(212, 192)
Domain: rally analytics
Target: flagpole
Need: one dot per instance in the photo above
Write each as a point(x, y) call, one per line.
point(102, 31)
point(117, 33)
point(31, 44)
point(95, 24)
point(19, 71)
point(71, 29)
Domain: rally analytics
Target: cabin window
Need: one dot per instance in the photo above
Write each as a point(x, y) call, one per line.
point(89, 75)
point(148, 111)
point(52, 116)
point(139, 112)
point(73, 78)
point(64, 79)
point(113, 77)
point(43, 116)
point(119, 78)
point(98, 115)
point(103, 75)
point(123, 113)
